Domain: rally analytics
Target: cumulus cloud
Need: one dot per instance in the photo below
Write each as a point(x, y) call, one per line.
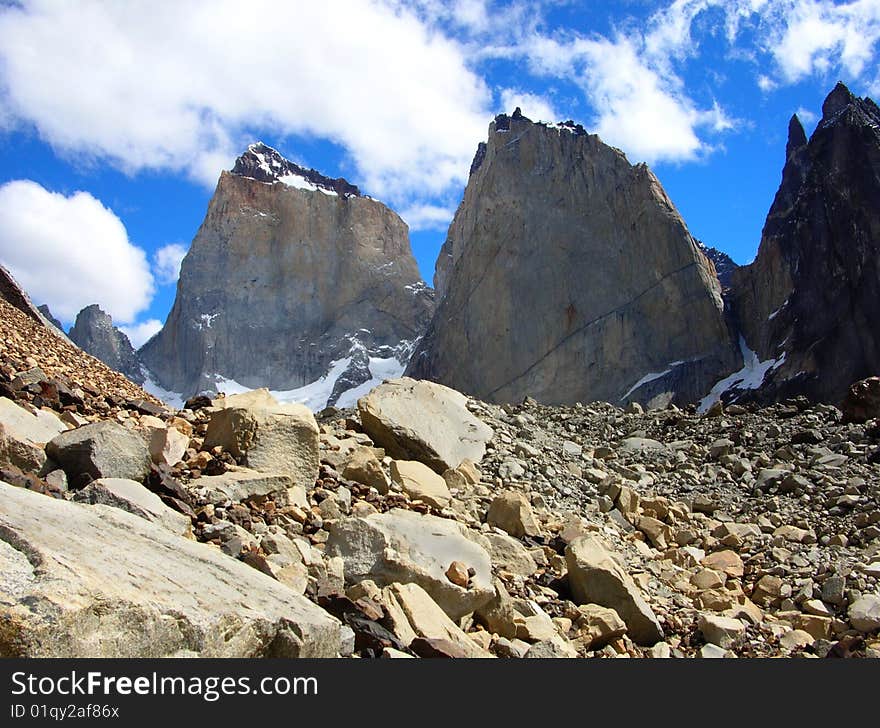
point(140, 334)
point(533, 106)
point(428, 217)
point(165, 85)
point(71, 251)
point(166, 262)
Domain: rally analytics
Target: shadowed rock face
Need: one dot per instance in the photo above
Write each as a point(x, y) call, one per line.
point(810, 298)
point(568, 275)
point(289, 272)
point(94, 332)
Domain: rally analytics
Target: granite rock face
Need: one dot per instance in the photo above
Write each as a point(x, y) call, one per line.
point(568, 275)
point(95, 334)
point(290, 272)
point(808, 303)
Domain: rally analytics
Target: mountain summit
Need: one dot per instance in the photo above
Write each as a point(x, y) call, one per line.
point(568, 275)
point(293, 279)
point(808, 302)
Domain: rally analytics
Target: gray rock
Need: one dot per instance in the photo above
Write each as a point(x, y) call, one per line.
point(512, 512)
point(243, 484)
point(266, 436)
point(131, 496)
point(23, 436)
point(406, 547)
point(595, 578)
point(94, 581)
point(424, 421)
point(103, 449)
point(864, 613)
point(419, 482)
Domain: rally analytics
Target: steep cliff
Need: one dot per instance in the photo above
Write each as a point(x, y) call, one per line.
point(568, 275)
point(291, 278)
point(808, 303)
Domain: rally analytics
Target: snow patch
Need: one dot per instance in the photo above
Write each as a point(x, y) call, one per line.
point(650, 377)
point(751, 376)
point(301, 183)
point(773, 315)
point(172, 399)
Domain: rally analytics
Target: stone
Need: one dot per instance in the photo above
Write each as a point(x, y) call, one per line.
point(571, 329)
point(243, 484)
point(637, 445)
point(864, 613)
point(768, 590)
point(112, 584)
point(722, 631)
point(795, 639)
point(419, 482)
point(726, 561)
point(862, 401)
point(259, 298)
point(511, 512)
point(710, 651)
point(23, 435)
point(510, 555)
point(267, 437)
point(457, 573)
point(553, 648)
point(167, 445)
point(595, 578)
point(102, 449)
point(515, 618)
point(407, 547)
point(363, 466)
point(426, 619)
point(424, 421)
point(599, 625)
point(131, 496)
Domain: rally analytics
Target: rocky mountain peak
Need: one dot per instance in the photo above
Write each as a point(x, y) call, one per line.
point(265, 164)
point(544, 246)
point(841, 106)
point(95, 334)
point(797, 137)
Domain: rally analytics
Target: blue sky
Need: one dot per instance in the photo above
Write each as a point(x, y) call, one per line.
point(116, 118)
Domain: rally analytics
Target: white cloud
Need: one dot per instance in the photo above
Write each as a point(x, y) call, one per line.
point(428, 217)
point(71, 251)
point(805, 115)
point(166, 85)
point(140, 334)
point(533, 106)
point(166, 262)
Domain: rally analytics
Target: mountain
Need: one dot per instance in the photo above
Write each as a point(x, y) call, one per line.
point(807, 306)
point(44, 309)
point(568, 275)
point(724, 264)
point(94, 332)
point(294, 280)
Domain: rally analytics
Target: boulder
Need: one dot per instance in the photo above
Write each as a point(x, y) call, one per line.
point(424, 421)
point(407, 547)
point(131, 496)
point(720, 630)
point(596, 578)
point(243, 484)
point(23, 436)
point(864, 613)
point(516, 618)
point(862, 401)
point(363, 466)
point(266, 436)
point(510, 555)
point(512, 512)
point(167, 445)
point(599, 625)
point(95, 581)
point(103, 449)
point(419, 482)
point(425, 619)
